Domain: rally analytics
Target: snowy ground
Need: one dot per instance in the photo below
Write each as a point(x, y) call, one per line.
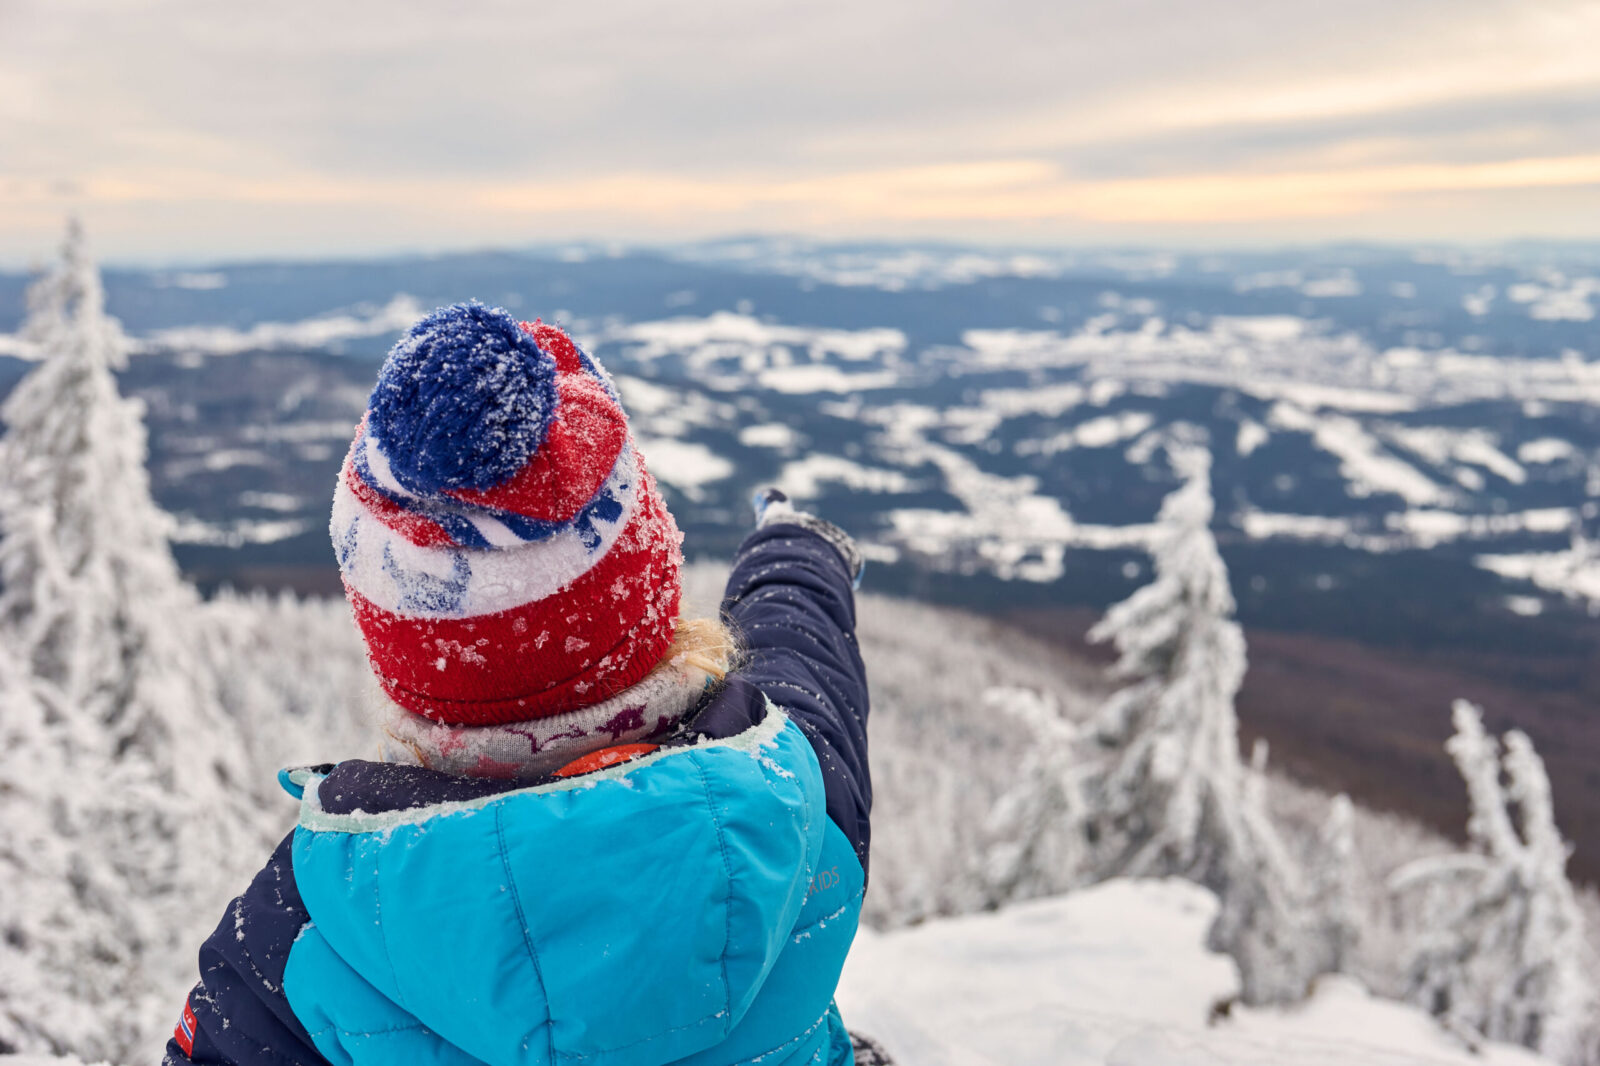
point(1115, 975)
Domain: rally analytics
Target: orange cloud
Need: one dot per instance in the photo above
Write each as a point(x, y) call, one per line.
point(1015, 190)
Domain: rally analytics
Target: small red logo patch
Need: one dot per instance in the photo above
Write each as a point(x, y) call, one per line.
point(599, 760)
point(184, 1033)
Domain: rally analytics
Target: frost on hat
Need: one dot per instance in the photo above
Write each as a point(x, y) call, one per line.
point(505, 552)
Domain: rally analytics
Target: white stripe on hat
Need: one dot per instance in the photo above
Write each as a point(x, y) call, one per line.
point(378, 465)
point(493, 530)
point(444, 582)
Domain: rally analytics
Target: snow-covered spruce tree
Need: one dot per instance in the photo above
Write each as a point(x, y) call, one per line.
point(146, 789)
point(1503, 957)
point(1033, 836)
point(1332, 879)
point(1174, 798)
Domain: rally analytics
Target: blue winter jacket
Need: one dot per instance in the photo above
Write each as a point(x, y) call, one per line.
point(694, 905)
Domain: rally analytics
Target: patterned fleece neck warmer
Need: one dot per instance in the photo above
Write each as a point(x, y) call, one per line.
point(506, 554)
point(539, 747)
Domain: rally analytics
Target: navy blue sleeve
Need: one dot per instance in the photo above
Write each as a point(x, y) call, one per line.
point(789, 599)
point(239, 1012)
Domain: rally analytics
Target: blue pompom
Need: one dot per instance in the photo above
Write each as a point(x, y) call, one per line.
point(463, 400)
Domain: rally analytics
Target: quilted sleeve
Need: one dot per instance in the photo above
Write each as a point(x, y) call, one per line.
point(789, 599)
point(238, 1014)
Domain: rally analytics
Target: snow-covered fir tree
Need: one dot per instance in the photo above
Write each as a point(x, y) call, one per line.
point(1502, 956)
point(1033, 837)
point(88, 579)
point(1174, 797)
point(142, 776)
point(1332, 876)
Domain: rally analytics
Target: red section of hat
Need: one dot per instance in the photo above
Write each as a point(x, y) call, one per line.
point(557, 344)
point(578, 453)
point(577, 647)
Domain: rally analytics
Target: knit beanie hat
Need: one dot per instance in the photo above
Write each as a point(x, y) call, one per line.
point(505, 552)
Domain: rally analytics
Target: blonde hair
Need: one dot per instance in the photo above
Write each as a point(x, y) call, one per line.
point(703, 643)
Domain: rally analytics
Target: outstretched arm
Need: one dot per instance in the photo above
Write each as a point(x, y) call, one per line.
point(790, 599)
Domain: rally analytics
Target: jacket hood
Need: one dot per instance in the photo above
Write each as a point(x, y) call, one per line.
point(624, 918)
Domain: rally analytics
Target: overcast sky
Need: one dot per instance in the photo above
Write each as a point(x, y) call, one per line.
point(183, 129)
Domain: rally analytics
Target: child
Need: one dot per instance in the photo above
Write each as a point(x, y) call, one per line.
point(600, 835)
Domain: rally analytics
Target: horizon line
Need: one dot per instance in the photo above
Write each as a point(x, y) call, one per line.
point(600, 247)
